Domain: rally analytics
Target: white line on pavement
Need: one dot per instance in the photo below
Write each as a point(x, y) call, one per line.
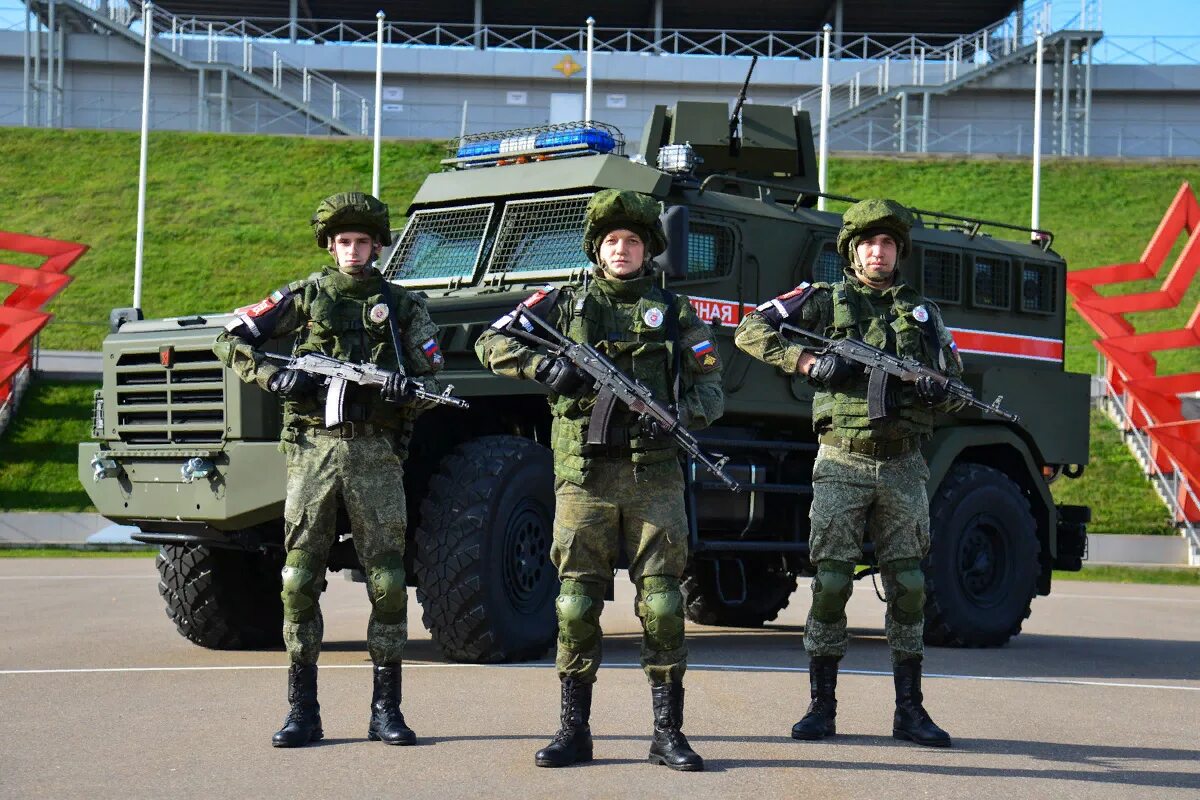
point(143, 576)
point(545, 665)
point(1120, 599)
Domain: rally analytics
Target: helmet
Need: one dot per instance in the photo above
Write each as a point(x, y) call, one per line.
point(610, 209)
point(867, 218)
point(351, 211)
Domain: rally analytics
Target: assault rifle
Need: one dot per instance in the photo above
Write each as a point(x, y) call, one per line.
point(613, 385)
point(880, 365)
point(338, 374)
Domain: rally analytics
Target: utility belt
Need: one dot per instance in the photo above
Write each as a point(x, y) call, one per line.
point(872, 448)
point(348, 430)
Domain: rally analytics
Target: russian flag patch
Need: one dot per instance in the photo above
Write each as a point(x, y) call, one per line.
point(706, 355)
point(432, 351)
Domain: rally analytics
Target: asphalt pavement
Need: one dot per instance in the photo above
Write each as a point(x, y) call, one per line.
point(1099, 697)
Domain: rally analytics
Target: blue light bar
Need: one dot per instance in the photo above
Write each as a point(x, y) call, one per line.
point(596, 139)
point(488, 147)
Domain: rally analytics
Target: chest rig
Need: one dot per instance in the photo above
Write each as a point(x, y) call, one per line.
point(875, 405)
point(640, 336)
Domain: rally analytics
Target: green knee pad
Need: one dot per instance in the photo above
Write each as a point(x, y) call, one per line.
point(661, 609)
point(907, 605)
point(578, 607)
point(303, 582)
point(831, 589)
point(389, 590)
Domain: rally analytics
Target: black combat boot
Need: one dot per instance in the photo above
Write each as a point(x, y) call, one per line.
point(819, 721)
point(387, 723)
point(669, 746)
point(912, 722)
point(573, 742)
point(303, 723)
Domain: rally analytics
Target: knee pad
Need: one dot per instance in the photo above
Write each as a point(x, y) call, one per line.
point(389, 590)
point(303, 582)
point(661, 610)
point(578, 609)
point(907, 599)
point(831, 589)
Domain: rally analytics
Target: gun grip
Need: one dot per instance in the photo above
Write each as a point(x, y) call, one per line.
point(601, 416)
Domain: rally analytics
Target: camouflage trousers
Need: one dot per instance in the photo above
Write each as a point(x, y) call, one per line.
point(365, 476)
point(592, 523)
point(854, 495)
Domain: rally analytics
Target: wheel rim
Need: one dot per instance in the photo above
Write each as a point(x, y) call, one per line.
point(526, 547)
point(983, 562)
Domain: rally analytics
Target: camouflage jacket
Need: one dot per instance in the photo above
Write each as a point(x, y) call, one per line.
point(346, 318)
point(896, 319)
point(627, 321)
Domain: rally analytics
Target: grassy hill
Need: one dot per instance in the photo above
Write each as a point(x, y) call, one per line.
point(227, 222)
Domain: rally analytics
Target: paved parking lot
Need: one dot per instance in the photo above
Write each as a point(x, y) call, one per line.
point(1099, 697)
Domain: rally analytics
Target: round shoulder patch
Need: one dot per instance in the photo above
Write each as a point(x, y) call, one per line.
point(921, 314)
point(653, 317)
point(378, 313)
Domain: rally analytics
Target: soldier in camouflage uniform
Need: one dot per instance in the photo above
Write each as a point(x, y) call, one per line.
point(629, 492)
point(869, 477)
point(348, 311)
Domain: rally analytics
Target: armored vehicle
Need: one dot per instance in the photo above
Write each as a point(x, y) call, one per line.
point(188, 453)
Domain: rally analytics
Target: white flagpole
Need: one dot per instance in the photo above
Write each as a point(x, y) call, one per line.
point(147, 30)
point(378, 102)
point(823, 163)
point(1037, 135)
point(587, 93)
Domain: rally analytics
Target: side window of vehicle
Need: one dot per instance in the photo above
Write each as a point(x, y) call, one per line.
point(1038, 284)
point(828, 265)
point(710, 250)
point(991, 283)
point(942, 274)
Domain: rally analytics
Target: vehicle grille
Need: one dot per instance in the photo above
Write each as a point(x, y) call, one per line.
point(180, 404)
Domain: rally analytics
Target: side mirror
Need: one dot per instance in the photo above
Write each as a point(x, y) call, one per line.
point(119, 316)
point(674, 262)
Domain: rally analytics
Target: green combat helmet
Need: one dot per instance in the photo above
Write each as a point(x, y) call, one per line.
point(351, 211)
point(610, 209)
point(869, 217)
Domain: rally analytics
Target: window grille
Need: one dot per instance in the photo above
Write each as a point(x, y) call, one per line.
point(829, 264)
point(539, 237)
point(941, 271)
point(440, 244)
point(1038, 288)
point(991, 282)
point(710, 251)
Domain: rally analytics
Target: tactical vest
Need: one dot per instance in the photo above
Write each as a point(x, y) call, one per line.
point(888, 327)
point(632, 325)
point(340, 326)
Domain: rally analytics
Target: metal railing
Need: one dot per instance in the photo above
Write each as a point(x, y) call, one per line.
point(213, 45)
point(1168, 484)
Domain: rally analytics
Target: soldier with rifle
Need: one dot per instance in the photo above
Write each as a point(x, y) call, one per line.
point(883, 364)
point(618, 480)
point(364, 361)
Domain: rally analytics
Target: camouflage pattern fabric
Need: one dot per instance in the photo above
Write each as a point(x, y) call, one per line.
point(610, 209)
point(591, 523)
point(368, 476)
point(853, 494)
point(347, 211)
point(875, 215)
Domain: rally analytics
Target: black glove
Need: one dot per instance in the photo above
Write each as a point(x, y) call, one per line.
point(563, 377)
point(931, 390)
point(398, 390)
point(292, 384)
point(832, 371)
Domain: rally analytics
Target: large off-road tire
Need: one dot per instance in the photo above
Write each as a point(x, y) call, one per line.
point(223, 599)
point(487, 586)
point(768, 586)
point(982, 569)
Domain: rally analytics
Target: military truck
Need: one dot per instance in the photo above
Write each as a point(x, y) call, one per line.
point(188, 453)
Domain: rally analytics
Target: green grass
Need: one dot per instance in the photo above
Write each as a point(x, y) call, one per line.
point(226, 223)
point(67, 552)
point(1114, 486)
point(1114, 574)
point(37, 451)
